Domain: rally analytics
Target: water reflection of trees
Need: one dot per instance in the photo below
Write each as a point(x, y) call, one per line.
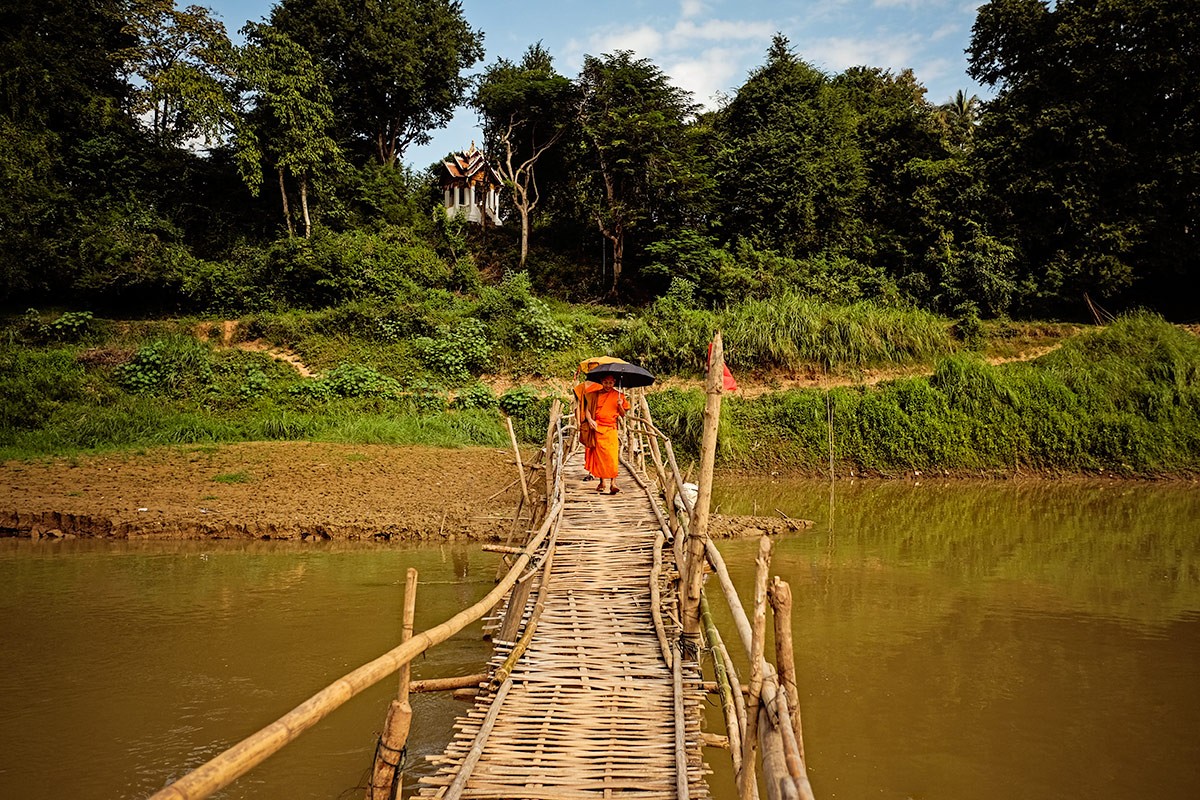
point(1122, 550)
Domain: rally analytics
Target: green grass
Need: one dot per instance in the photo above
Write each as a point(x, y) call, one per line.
point(1122, 399)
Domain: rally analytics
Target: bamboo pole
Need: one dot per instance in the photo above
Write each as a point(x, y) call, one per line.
point(656, 602)
point(551, 432)
point(780, 596)
point(681, 755)
point(447, 684)
point(773, 698)
point(464, 771)
point(512, 437)
point(399, 717)
point(733, 725)
point(227, 767)
point(698, 530)
point(758, 634)
point(679, 480)
point(506, 668)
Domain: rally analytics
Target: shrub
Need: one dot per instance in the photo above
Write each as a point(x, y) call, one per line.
point(176, 365)
point(457, 353)
point(351, 380)
point(476, 396)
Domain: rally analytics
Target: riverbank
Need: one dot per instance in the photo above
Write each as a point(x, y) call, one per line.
point(278, 490)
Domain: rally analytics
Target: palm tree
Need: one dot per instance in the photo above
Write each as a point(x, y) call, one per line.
point(960, 116)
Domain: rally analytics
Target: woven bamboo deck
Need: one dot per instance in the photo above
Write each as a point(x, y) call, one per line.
point(590, 711)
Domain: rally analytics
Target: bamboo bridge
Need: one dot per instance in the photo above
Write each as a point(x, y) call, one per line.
point(601, 636)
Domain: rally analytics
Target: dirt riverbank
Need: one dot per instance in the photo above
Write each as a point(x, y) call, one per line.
point(277, 490)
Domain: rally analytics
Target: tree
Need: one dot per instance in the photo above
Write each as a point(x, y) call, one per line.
point(960, 116)
point(788, 166)
point(526, 108)
point(1092, 145)
point(394, 67)
point(636, 155)
point(183, 64)
point(292, 118)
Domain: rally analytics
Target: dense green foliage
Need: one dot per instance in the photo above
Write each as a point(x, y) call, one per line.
point(1073, 185)
point(837, 223)
point(1124, 399)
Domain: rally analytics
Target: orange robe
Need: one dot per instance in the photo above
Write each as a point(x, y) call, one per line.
point(603, 459)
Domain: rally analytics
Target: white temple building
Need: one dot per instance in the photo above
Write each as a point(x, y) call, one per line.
point(472, 188)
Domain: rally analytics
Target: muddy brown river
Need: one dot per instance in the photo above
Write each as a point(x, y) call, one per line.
point(953, 641)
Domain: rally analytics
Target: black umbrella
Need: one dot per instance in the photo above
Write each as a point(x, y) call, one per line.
point(628, 376)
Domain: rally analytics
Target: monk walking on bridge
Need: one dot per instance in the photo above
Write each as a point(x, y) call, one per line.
point(602, 409)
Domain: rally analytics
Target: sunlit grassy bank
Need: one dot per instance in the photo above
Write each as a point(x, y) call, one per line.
point(1123, 399)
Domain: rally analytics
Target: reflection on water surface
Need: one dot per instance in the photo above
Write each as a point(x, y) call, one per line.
point(954, 641)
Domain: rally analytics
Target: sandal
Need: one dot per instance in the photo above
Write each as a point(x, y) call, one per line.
point(601, 490)
point(613, 490)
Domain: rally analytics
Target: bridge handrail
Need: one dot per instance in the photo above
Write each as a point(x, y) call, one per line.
point(224, 769)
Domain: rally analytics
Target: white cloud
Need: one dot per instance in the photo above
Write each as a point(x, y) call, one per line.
point(711, 75)
point(839, 53)
point(645, 41)
point(692, 8)
point(716, 30)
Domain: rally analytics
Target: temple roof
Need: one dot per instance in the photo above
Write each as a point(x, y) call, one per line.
point(469, 166)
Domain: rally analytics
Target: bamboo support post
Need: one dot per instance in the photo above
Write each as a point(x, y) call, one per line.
point(780, 596)
point(551, 432)
point(698, 529)
point(385, 769)
point(227, 767)
point(758, 637)
point(733, 725)
point(512, 437)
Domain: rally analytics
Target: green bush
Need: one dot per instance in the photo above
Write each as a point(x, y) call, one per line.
point(175, 365)
point(457, 352)
point(351, 380)
point(475, 396)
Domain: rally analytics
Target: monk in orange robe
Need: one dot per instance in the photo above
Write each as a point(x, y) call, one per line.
point(602, 410)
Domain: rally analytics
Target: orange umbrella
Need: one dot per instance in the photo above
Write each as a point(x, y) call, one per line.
point(585, 386)
point(589, 364)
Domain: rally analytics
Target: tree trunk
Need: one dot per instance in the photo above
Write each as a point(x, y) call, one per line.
point(287, 212)
point(304, 206)
point(618, 240)
point(524, 233)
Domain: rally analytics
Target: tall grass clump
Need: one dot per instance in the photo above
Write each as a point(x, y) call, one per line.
point(789, 331)
point(1123, 400)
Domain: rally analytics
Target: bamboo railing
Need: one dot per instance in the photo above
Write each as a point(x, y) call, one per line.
point(230, 765)
point(764, 727)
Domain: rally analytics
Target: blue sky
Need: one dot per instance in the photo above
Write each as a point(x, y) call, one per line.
point(706, 46)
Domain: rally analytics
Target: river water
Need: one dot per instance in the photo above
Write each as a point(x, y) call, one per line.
point(953, 641)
